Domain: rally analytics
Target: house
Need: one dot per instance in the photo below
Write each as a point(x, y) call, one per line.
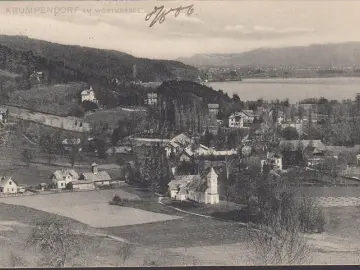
point(68, 144)
point(177, 144)
point(88, 95)
point(310, 151)
point(236, 120)
point(99, 178)
point(248, 116)
point(152, 99)
point(201, 188)
point(186, 155)
point(63, 177)
point(4, 114)
point(8, 185)
point(213, 109)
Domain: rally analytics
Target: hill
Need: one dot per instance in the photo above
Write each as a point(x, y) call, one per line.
point(94, 63)
point(319, 55)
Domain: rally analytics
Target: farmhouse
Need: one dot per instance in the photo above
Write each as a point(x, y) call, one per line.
point(201, 188)
point(101, 178)
point(7, 185)
point(88, 95)
point(62, 177)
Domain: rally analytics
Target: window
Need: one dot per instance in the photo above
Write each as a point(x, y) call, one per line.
point(10, 183)
point(12, 189)
point(61, 184)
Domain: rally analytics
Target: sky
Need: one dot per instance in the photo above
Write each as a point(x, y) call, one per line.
point(213, 26)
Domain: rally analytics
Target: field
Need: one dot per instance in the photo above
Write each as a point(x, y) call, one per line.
point(54, 99)
point(111, 117)
point(95, 251)
point(90, 208)
point(172, 238)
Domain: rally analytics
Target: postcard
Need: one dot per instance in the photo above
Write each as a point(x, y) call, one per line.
point(179, 133)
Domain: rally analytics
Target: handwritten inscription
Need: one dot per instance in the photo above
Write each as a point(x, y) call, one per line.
point(161, 12)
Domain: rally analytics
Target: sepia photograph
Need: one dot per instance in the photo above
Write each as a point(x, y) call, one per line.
point(144, 133)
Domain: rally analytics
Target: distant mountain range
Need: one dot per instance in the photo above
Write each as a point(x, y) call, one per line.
point(92, 63)
point(320, 55)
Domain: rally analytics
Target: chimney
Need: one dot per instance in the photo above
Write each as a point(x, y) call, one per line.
point(94, 168)
point(91, 88)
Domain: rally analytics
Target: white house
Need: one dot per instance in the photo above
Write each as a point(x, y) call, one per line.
point(7, 185)
point(236, 120)
point(89, 95)
point(200, 188)
point(63, 177)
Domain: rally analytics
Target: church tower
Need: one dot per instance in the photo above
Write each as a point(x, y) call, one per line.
point(212, 184)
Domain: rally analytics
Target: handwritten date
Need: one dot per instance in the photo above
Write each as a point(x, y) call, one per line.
point(161, 12)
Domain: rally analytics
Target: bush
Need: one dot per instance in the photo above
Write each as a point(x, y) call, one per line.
point(119, 201)
point(311, 217)
point(89, 106)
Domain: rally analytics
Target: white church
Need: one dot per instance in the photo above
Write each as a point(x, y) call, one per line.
point(201, 188)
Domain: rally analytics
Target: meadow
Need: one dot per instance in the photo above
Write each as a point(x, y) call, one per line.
point(91, 208)
point(111, 117)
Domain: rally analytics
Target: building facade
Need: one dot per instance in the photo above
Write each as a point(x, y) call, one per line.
point(88, 95)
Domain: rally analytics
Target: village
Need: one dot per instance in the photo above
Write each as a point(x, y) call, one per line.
point(269, 137)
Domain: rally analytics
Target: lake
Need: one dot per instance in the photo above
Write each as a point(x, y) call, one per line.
point(294, 89)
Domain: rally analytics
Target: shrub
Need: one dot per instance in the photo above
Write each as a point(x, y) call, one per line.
point(311, 217)
point(119, 201)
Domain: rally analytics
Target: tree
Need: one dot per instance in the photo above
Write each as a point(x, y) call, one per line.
point(274, 244)
point(89, 106)
point(48, 144)
point(292, 114)
point(208, 137)
point(357, 100)
point(125, 251)
point(27, 156)
point(290, 133)
point(301, 112)
point(55, 241)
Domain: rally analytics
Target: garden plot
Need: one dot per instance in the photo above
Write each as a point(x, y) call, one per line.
point(91, 208)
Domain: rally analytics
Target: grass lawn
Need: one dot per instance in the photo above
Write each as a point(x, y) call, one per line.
point(185, 232)
point(91, 207)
